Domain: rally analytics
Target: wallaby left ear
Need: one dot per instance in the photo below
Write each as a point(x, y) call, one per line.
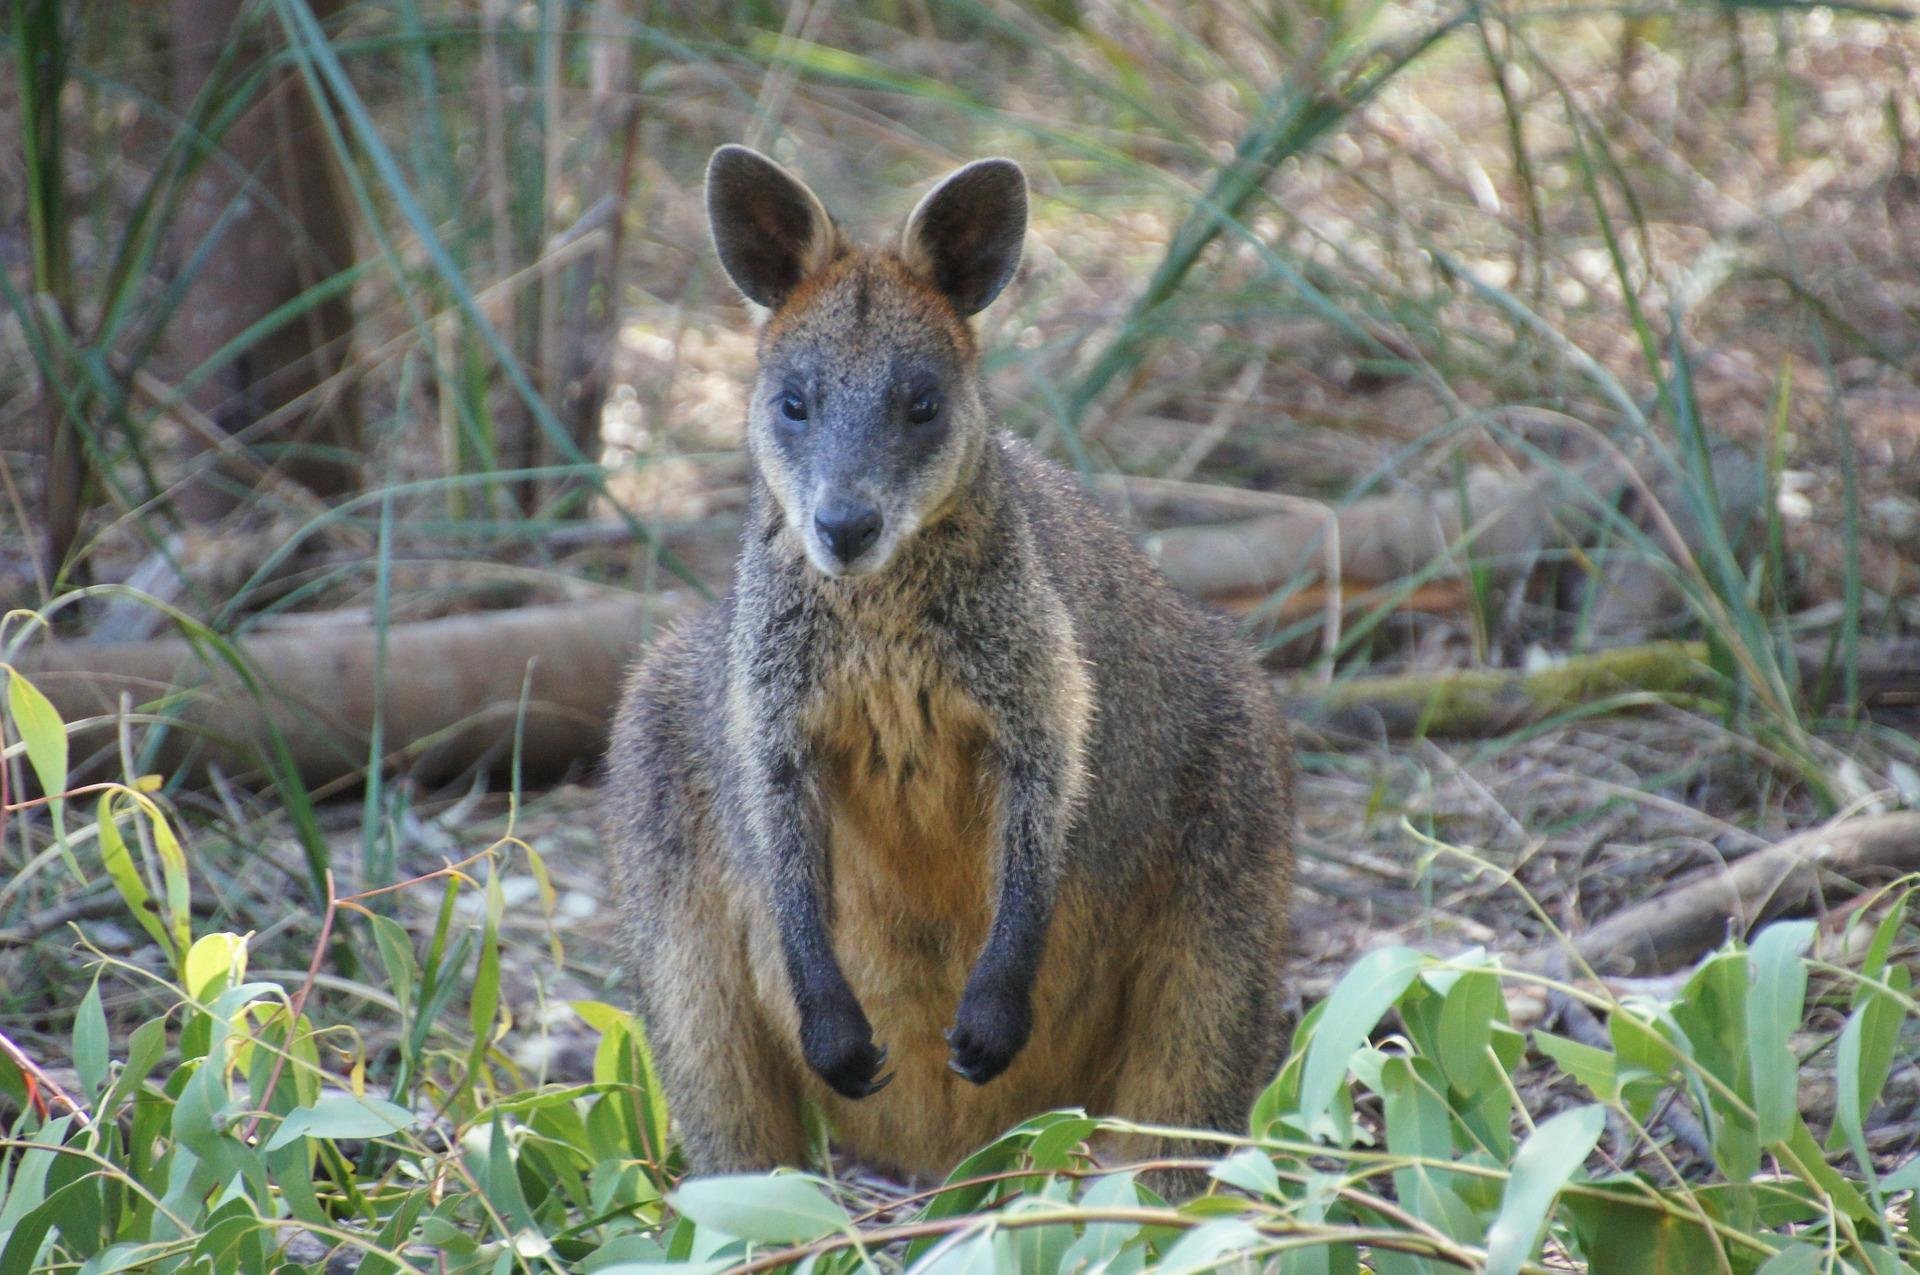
point(965, 235)
point(770, 231)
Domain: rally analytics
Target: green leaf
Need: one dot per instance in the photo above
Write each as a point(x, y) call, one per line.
point(1354, 1009)
point(125, 874)
point(341, 1116)
point(214, 963)
point(1882, 943)
point(396, 953)
point(1054, 1146)
point(1620, 1233)
point(1202, 1248)
point(144, 1049)
point(1593, 1068)
point(1101, 1242)
point(1044, 1247)
point(1316, 1205)
point(27, 1188)
point(20, 1244)
point(1250, 1169)
point(1545, 1163)
point(1774, 1005)
point(1467, 1016)
point(785, 1209)
point(90, 1042)
point(485, 1004)
point(173, 877)
point(43, 733)
point(986, 1253)
point(621, 1250)
point(1842, 1194)
point(1420, 1127)
point(1863, 1059)
point(499, 1179)
point(1904, 1178)
point(1795, 1259)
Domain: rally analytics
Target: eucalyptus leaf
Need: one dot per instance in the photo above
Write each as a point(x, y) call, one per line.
point(342, 1116)
point(782, 1209)
point(1545, 1163)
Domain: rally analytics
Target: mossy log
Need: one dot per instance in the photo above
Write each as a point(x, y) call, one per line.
point(1477, 702)
point(1483, 702)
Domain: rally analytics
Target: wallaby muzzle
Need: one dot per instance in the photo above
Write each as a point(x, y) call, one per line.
point(847, 528)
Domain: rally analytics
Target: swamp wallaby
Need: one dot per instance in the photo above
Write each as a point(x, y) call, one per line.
point(954, 811)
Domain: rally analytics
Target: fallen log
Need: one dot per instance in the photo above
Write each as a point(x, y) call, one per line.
point(451, 694)
point(1377, 541)
point(1693, 916)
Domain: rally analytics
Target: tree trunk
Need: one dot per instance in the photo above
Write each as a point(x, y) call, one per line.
point(40, 42)
point(272, 206)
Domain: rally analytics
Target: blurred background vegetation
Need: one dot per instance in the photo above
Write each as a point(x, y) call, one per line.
point(1537, 380)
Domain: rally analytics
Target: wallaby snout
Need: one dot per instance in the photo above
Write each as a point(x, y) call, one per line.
point(848, 527)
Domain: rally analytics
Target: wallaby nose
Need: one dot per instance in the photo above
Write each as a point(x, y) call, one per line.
point(848, 529)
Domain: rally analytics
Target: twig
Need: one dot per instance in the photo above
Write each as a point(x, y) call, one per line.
point(1583, 1025)
point(1225, 417)
point(38, 1079)
point(295, 1008)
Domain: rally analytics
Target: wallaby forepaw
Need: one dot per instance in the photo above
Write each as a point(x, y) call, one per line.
point(843, 1054)
point(989, 1030)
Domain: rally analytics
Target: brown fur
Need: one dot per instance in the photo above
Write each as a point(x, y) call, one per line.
point(1008, 771)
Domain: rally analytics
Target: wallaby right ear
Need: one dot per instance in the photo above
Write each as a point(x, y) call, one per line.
point(966, 232)
point(768, 228)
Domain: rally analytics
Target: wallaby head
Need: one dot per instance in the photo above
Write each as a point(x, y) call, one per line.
point(868, 413)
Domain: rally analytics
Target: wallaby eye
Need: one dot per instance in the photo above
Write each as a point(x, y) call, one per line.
point(793, 407)
point(923, 409)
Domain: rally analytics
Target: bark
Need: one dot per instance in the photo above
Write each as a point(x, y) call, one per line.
point(274, 206)
point(41, 45)
point(1494, 522)
point(613, 145)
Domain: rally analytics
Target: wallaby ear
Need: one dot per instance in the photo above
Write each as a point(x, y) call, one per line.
point(965, 235)
point(768, 228)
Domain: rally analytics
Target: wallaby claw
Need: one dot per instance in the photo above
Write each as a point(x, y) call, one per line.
point(850, 1070)
point(979, 1056)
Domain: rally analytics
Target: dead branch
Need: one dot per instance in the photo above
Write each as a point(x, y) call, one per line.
point(1798, 875)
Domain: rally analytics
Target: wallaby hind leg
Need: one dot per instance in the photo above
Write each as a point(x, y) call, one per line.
point(1202, 1041)
point(1204, 1031)
point(732, 1092)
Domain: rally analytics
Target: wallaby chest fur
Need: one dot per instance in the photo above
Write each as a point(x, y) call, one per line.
point(953, 811)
